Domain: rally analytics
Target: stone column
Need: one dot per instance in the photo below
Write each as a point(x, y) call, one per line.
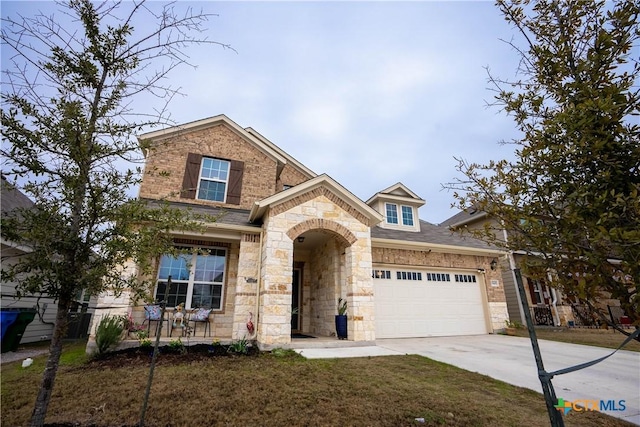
point(246, 286)
point(360, 290)
point(274, 326)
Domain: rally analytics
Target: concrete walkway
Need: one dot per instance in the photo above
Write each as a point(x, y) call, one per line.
point(510, 359)
point(14, 356)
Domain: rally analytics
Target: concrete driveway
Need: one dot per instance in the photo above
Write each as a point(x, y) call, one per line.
point(510, 359)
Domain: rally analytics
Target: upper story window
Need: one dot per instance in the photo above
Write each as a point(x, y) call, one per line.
point(407, 215)
point(214, 176)
point(392, 214)
point(209, 178)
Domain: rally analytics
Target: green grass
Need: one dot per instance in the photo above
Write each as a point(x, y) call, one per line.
point(607, 338)
point(275, 390)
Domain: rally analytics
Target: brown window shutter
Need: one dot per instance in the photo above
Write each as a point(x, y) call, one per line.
point(236, 170)
point(191, 175)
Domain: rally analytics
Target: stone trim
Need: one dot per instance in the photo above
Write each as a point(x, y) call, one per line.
point(321, 223)
point(312, 194)
point(246, 294)
point(275, 293)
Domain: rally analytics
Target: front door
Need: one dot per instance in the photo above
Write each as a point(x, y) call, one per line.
point(295, 302)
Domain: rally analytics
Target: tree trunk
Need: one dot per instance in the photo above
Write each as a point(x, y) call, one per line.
point(51, 369)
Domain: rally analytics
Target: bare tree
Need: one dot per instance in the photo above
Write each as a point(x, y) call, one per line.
point(68, 124)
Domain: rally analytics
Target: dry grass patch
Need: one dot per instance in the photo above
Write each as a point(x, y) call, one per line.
point(597, 337)
point(288, 390)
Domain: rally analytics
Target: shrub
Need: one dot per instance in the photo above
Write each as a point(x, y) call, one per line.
point(177, 346)
point(514, 324)
point(239, 347)
point(109, 332)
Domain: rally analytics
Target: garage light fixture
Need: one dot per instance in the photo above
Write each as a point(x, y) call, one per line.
point(493, 264)
point(300, 239)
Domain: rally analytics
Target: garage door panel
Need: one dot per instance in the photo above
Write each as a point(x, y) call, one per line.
point(422, 308)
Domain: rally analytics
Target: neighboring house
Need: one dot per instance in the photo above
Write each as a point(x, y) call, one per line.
point(41, 328)
point(546, 303)
point(290, 242)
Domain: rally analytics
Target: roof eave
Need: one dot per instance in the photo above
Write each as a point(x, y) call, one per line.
point(434, 247)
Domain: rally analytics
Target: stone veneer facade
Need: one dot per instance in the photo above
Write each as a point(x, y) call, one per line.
point(340, 268)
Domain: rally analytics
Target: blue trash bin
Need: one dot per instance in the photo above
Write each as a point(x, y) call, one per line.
point(7, 318)
point(13, 335)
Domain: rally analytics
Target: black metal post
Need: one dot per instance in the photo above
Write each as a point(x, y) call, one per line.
point(555, 416)
point(145, 402)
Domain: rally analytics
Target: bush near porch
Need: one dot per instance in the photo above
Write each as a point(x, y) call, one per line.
point(274, 389)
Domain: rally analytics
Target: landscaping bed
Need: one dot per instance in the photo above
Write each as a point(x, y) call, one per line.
point(167, 355)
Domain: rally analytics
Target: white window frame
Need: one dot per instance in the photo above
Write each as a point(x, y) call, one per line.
point(402, 207)
point(398, 210)
point(386, 213)
point(202, 178)
point(191, 265)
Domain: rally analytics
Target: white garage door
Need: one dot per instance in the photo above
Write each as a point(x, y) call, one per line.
point(426, 303)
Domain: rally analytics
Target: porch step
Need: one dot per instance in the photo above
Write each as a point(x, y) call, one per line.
point(325, 342)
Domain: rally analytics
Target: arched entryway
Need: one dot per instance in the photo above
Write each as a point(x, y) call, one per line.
point(319, 234)
point(320, 276)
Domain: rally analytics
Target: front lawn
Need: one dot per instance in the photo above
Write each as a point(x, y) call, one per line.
point(277, 389)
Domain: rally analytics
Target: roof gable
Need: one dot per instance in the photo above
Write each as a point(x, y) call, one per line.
point(398, 192)
point(368, 214)
point(463, 217)
point(211, 122)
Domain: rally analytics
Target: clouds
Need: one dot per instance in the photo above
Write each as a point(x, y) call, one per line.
point(371, 93)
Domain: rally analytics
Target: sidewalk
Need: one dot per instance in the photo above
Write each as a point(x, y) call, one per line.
point(21, 354)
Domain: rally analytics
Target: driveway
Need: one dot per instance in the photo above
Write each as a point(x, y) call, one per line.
point(510, 359)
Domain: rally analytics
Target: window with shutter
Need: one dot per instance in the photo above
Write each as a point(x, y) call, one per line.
point(191, 174)
point(209, 178)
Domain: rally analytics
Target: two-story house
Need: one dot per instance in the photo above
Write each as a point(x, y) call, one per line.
point(289, 242)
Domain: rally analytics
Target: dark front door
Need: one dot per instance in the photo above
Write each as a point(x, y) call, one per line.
point(295, 302)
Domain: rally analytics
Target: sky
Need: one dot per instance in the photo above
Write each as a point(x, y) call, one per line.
point(370, 93)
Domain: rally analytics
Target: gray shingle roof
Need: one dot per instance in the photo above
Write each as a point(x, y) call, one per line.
point(226, 215)
point(462, 216)
point(430, 233)
point(12, 198)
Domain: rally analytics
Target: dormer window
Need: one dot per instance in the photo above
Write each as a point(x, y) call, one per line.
point(214, 175)
point(407, 215)
point(392, 214)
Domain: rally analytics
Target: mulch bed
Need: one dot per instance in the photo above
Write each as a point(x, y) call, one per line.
point(141, 356)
